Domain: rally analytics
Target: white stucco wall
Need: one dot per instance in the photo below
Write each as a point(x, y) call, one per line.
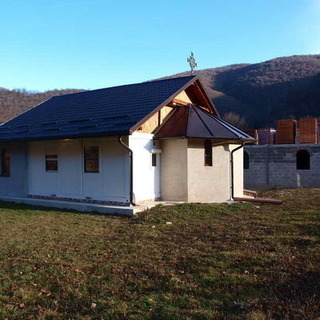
point(16, 184)
point(208, 183)
point(184, 176)
point(146, 178)
point(238, 170)
point(174, 170)
point(70, 181)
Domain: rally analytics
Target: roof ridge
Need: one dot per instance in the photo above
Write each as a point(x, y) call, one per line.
point(124, 85)
point(239, 131)
point(166, 79)
point(195, 109)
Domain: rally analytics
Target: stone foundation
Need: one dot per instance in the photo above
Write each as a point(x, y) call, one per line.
point(148, 201)
point(110, 203)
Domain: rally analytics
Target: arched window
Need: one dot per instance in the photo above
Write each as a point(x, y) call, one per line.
point(303, 160)
point(5, 163)
point(208, 153)
point(245, 160)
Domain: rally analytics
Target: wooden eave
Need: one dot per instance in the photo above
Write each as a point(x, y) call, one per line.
point(214, 140)
point(200, 97)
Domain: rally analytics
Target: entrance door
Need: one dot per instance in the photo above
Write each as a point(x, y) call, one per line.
point(156, 174)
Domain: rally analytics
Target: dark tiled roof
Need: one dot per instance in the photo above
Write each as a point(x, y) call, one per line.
point(194, 122)
point(110, 111)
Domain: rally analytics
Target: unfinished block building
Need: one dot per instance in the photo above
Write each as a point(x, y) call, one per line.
point(288, 156)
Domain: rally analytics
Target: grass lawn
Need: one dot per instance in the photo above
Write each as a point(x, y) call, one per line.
point(243, 261)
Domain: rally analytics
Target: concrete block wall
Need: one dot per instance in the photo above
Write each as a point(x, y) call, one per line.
point(256, 174)
point(276, 165)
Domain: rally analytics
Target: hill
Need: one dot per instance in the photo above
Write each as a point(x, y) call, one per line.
point(287, 87)
point(15, 102)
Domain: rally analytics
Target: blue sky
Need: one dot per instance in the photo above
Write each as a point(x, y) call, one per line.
point(93, 44)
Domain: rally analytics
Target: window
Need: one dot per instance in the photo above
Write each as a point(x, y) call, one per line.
point(208, 153)
point(51, 162)
point(5, 163)
point(303, 160)
point(245, 160)
point(91, 159)
point(154, 159)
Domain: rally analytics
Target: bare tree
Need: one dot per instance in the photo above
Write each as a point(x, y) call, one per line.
point(235, 119)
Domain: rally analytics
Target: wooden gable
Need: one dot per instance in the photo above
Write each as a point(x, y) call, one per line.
point(193, 94)
point(157, 119)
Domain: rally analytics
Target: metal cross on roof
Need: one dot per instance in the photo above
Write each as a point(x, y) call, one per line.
point(192, 62)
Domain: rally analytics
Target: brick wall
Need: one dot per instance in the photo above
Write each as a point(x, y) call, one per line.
point(308, 130)
point(286, 131)
point(275, 165)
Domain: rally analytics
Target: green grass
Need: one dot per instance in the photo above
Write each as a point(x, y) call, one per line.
point(243, 261)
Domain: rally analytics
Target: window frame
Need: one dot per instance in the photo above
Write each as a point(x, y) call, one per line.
point(207, 146)
point(90, 158)
point(53, 158)
point(154, 161)
point(5, 163)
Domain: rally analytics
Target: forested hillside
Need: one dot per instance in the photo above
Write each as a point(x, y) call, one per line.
point(287, 87)
point(14, 102)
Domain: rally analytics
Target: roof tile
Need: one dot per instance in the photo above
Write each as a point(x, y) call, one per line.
point(101, 112)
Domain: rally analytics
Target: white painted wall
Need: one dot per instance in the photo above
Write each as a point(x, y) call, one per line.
point(16, 184)
point(70, 181)
point(146, 178)
point(183, 178)
point(238, 170)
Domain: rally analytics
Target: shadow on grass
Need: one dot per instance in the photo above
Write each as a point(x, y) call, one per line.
point(298, 297)
point(27, 209)
point(311, 230)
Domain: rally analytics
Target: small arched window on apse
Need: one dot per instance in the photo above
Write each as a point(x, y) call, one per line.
point(246, 159)
point(5, 163)
point(208, 153)
point(303, 160)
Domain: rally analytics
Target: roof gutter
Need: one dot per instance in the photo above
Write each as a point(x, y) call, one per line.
point(131, 169)
point(62, 137)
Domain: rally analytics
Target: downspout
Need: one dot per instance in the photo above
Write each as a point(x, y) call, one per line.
point(232, 169)
point(131, 169)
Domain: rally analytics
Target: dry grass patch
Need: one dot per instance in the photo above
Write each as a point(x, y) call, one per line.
point(239, 261)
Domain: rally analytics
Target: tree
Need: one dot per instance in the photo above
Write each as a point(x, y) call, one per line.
point(235, 119)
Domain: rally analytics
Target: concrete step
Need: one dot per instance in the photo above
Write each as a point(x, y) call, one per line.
point(77, 206)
